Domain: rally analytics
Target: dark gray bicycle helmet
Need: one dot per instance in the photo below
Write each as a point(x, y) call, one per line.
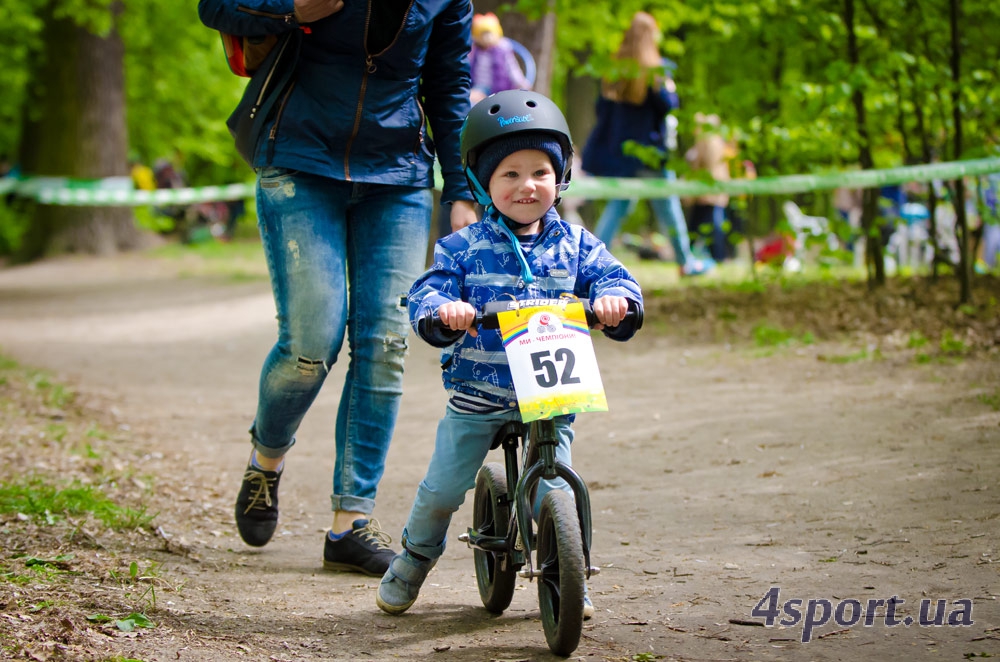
point(518, 114)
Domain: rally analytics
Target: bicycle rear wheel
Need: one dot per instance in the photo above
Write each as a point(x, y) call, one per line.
point(561, 584)
point(495, 574)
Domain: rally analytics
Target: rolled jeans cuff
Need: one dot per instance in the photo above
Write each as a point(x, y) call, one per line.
point(427, 551)
point(268, 451)
point(351, 504)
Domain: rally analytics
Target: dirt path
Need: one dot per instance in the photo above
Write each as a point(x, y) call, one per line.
point(715, 477)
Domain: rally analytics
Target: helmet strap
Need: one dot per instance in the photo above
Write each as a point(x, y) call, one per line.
point(481, 195)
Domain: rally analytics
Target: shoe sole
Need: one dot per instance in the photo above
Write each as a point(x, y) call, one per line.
point(394, 610)
point(347, 567)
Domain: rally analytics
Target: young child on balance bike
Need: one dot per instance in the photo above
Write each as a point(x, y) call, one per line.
point(517, 153)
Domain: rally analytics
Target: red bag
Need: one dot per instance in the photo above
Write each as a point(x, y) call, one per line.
point(245, 54)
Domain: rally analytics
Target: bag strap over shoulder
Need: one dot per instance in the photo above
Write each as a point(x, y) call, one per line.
point(245, 55)
point(273, 76)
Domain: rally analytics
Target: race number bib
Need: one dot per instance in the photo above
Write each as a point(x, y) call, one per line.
point(552, 360)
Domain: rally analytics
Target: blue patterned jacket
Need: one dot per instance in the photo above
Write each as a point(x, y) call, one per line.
point(478, 264)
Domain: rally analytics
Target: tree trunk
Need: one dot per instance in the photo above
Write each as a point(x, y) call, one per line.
point(869, 206)
point(964, 263)
point(75, 127)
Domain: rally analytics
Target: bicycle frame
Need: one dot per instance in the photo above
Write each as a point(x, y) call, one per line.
point(519, 542)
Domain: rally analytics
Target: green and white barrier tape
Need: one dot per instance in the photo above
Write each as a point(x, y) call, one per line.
point(118, 191)
point(601, 188)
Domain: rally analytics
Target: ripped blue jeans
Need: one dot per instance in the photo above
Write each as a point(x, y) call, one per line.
point(340, 255)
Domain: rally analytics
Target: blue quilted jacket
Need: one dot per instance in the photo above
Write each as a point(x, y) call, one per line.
point(480, 264)
point(359, 116)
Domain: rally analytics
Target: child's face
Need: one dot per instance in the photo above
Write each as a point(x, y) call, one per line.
point(523, 187)
point(487, 39)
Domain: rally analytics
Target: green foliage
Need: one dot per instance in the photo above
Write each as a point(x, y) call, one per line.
point(36, 569)
point(952, 346)
point(144, 581)
point(13, 219)
point(766, 335)
point(854, 357)
point(775, 71)
point(46, 502)
point(127, 624)
point(19, 28)
point(169, 54)
point(180, 91)
point(778, 75)
point(991, 400)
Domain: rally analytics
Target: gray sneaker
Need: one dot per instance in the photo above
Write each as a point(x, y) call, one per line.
point(402, 581)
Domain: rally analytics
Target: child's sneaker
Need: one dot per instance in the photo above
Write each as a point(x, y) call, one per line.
point(588, 608)
point(257, 506)
point(698, 267)
point(402, 581)
point(365, 548)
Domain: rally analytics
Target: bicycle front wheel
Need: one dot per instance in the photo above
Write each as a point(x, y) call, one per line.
point(561, 584)
point(495, 574)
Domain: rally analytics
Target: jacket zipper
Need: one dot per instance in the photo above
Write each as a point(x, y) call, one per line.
point(267, 83)
point(287, 18)
point(277, 120)
point(370, 68)
point(420, 129)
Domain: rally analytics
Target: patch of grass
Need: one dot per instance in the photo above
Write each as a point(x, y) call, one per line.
point(916, 340)
point(36, 569)
point(144, 580)
point(54, 395)
point(43, 501)
point(241, 260)
point(952, 346)
point(991, 400)
point(854, 357)
point(766, 335)
point(56, 432)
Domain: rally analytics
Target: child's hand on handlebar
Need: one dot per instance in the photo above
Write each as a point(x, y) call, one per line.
point(459, 316)
point(610, 311)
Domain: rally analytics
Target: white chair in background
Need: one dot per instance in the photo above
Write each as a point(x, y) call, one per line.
point(805, 226)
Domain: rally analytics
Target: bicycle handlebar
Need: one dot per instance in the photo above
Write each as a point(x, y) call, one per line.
point(488, 319)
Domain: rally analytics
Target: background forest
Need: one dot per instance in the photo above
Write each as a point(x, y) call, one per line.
point(802, 86)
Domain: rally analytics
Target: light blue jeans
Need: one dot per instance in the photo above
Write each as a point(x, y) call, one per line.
point(340, 255)
point(667, 211)
point(463, 441)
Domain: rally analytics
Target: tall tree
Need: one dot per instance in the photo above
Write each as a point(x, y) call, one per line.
point(75, 128)
point(873, 243)
point(964, 263)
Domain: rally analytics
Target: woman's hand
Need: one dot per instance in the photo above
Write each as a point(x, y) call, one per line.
point(310, 11)
point(463, 213)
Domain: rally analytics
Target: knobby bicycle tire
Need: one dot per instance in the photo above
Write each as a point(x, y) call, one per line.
point(490, 517)
point(561, 585)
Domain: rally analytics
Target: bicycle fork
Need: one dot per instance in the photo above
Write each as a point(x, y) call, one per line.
point(542, 436)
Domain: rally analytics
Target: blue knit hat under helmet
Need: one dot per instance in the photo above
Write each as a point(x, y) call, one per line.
point(503, 147)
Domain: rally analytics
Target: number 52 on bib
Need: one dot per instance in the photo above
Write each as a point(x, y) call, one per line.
point(552, 361)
